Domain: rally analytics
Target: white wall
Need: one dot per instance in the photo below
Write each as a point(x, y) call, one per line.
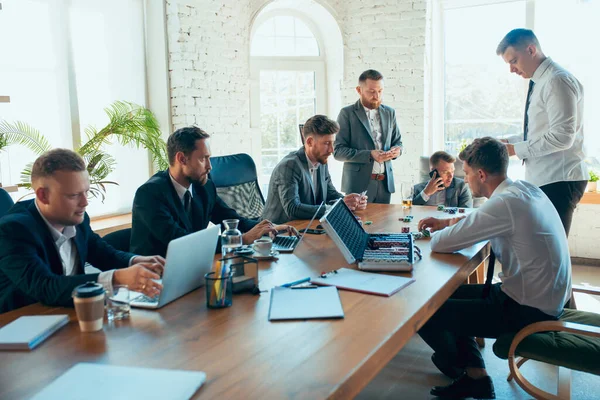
point(585, 232)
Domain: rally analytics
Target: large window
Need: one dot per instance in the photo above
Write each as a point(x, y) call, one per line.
point(481, 96)
point(80, 57)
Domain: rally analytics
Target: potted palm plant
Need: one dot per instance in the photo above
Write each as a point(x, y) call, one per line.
point(593, 182)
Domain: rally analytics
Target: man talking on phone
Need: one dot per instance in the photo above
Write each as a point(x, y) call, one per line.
point(443, 188)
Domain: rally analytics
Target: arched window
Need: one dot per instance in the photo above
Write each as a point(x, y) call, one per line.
point(284, 36)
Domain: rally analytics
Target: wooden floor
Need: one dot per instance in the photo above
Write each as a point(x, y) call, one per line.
point(410, 375)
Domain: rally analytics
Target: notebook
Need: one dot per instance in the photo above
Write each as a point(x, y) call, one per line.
point(305, 302)
point(104, 382)
point(363, 282)
point(26, 332)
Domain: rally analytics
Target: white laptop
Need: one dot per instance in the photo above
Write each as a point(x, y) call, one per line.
point(189, 258)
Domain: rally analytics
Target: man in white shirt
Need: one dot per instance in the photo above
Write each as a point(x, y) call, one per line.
point(551, 146)
point(526, 236)
point(368, 140)
point(45, 242)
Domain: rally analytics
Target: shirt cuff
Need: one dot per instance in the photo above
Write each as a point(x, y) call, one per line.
point(105, 279)
point(424, 196)
point(522, 150)
point(131, 260)
point(328, 207)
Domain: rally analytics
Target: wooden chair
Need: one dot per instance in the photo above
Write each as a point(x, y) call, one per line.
point(571, 343)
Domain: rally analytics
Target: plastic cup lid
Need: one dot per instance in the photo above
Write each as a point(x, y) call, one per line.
point(89, 289)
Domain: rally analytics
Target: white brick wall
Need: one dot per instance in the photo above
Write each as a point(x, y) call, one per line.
point(585, 232)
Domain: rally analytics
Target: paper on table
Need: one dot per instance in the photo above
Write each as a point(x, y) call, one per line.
point(28, 331)
point(364, 282)
point(102, 382)
point(300, 303)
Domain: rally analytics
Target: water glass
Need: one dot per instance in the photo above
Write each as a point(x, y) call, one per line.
point(118, 303)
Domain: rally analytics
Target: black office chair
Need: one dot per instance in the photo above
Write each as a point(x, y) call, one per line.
point(6, 202)
point(237, 184)
point(119, 239)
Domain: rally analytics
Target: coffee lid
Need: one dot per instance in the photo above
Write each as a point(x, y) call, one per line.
point(89, 289)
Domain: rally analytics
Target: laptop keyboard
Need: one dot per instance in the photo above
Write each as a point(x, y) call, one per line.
point(145, 299)
point(284, 242)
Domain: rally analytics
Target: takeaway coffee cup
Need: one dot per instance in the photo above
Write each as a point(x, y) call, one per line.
point(89, 305)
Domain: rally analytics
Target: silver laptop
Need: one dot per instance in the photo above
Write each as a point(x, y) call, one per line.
point(286, 243)
point(189, 258)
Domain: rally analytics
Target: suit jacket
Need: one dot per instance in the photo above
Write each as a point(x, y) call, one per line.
point(30, 267)
point(354, 142)
point(291, 194)
point(159, 216)
point(456, 195)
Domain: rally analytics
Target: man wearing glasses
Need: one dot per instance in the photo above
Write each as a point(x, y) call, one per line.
point(443, 188)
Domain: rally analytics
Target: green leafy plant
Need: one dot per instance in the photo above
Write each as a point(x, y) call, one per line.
point(463, 145)
point(594, 176)
point(129, 124)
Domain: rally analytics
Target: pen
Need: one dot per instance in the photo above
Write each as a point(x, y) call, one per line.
point(296, 282)
point(305, 287)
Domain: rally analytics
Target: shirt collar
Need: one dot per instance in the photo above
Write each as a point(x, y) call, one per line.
point(311, 166)
point(541, 70)
point(180, 189)
point(68, 233)
point(367, 110)
point(502, 187)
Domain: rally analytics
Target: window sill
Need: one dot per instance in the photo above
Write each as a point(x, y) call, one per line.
point(107, 224)
point(590, 198)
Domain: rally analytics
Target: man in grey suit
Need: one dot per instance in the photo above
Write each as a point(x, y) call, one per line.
point(443, 187)
point(301, 180)
point(369, 139)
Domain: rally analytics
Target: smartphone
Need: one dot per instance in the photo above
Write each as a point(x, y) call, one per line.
point(438, 176)
point(312, 231)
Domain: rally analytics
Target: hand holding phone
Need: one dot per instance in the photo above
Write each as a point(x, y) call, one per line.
point(435, 184)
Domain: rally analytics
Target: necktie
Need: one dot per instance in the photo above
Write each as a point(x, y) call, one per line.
point(187, 204)
point(490, 274)
point(526, 121)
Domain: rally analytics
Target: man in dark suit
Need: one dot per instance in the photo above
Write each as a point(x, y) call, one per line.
point(301, 181)
point(368, 140)
point(443, 187)
point(182, 200)
point(45, 242)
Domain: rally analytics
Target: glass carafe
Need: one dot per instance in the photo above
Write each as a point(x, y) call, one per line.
point(231, 238)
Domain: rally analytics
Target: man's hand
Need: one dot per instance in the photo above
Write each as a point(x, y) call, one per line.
point(436, 224)
point(434, 185)
point(287, 228)
point(379, 155)
point(511, 149)
point(362, 202)
point(149, 259)
point(140, 278)
point(264, 227)
point(394, 152)
point(352, 200)
point(505, 141)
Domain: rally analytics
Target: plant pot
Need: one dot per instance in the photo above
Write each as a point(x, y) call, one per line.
point(591, 187)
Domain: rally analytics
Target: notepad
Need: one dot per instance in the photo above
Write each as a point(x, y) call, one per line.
point(108, 382)
point(26, 332)
point(299, 303)
point(364, 282)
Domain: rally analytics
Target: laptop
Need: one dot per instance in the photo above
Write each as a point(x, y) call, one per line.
point(285, 243)
point(189, 258)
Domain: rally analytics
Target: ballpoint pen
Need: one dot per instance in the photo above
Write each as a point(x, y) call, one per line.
point(299, 281)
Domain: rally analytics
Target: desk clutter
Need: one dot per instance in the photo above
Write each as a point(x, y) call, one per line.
point(373, 252)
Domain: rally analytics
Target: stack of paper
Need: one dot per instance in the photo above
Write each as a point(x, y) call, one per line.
point(364, 282)
point(27, 332)
point(305, 303)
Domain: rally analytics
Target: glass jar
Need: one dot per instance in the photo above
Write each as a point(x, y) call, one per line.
point(231, 238)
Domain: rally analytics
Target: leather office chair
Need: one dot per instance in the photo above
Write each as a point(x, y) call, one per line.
point(119, 239)
point(458, 173)
point(237, 184)
point(571, 343)
point(6, 202)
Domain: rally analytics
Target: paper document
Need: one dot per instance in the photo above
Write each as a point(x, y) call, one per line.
point(27, 332)
point(102, 382)
point(364, 282)
point(305, 303)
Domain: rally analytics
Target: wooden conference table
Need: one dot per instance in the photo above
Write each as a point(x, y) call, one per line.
point(243, 354)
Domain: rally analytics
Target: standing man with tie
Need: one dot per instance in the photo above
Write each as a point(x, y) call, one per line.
point(368, 140)
point(551, 147)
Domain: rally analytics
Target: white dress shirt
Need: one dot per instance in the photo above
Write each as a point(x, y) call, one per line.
point(67, 251)
point(376, 132)
point(528, 239)
point(554, 150)
point(313, 168)
point(181, 190)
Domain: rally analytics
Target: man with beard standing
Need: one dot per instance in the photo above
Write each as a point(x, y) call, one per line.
point(301, 181)
point(182, 200)
point(368, 140)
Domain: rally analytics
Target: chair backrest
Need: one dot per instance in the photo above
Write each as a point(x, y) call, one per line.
point(301, 130)
point(237, 184)
point(458, 173)
point(119, 239)
point(6, 202)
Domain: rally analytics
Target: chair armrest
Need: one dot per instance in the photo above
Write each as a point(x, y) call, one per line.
point(587, 289)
